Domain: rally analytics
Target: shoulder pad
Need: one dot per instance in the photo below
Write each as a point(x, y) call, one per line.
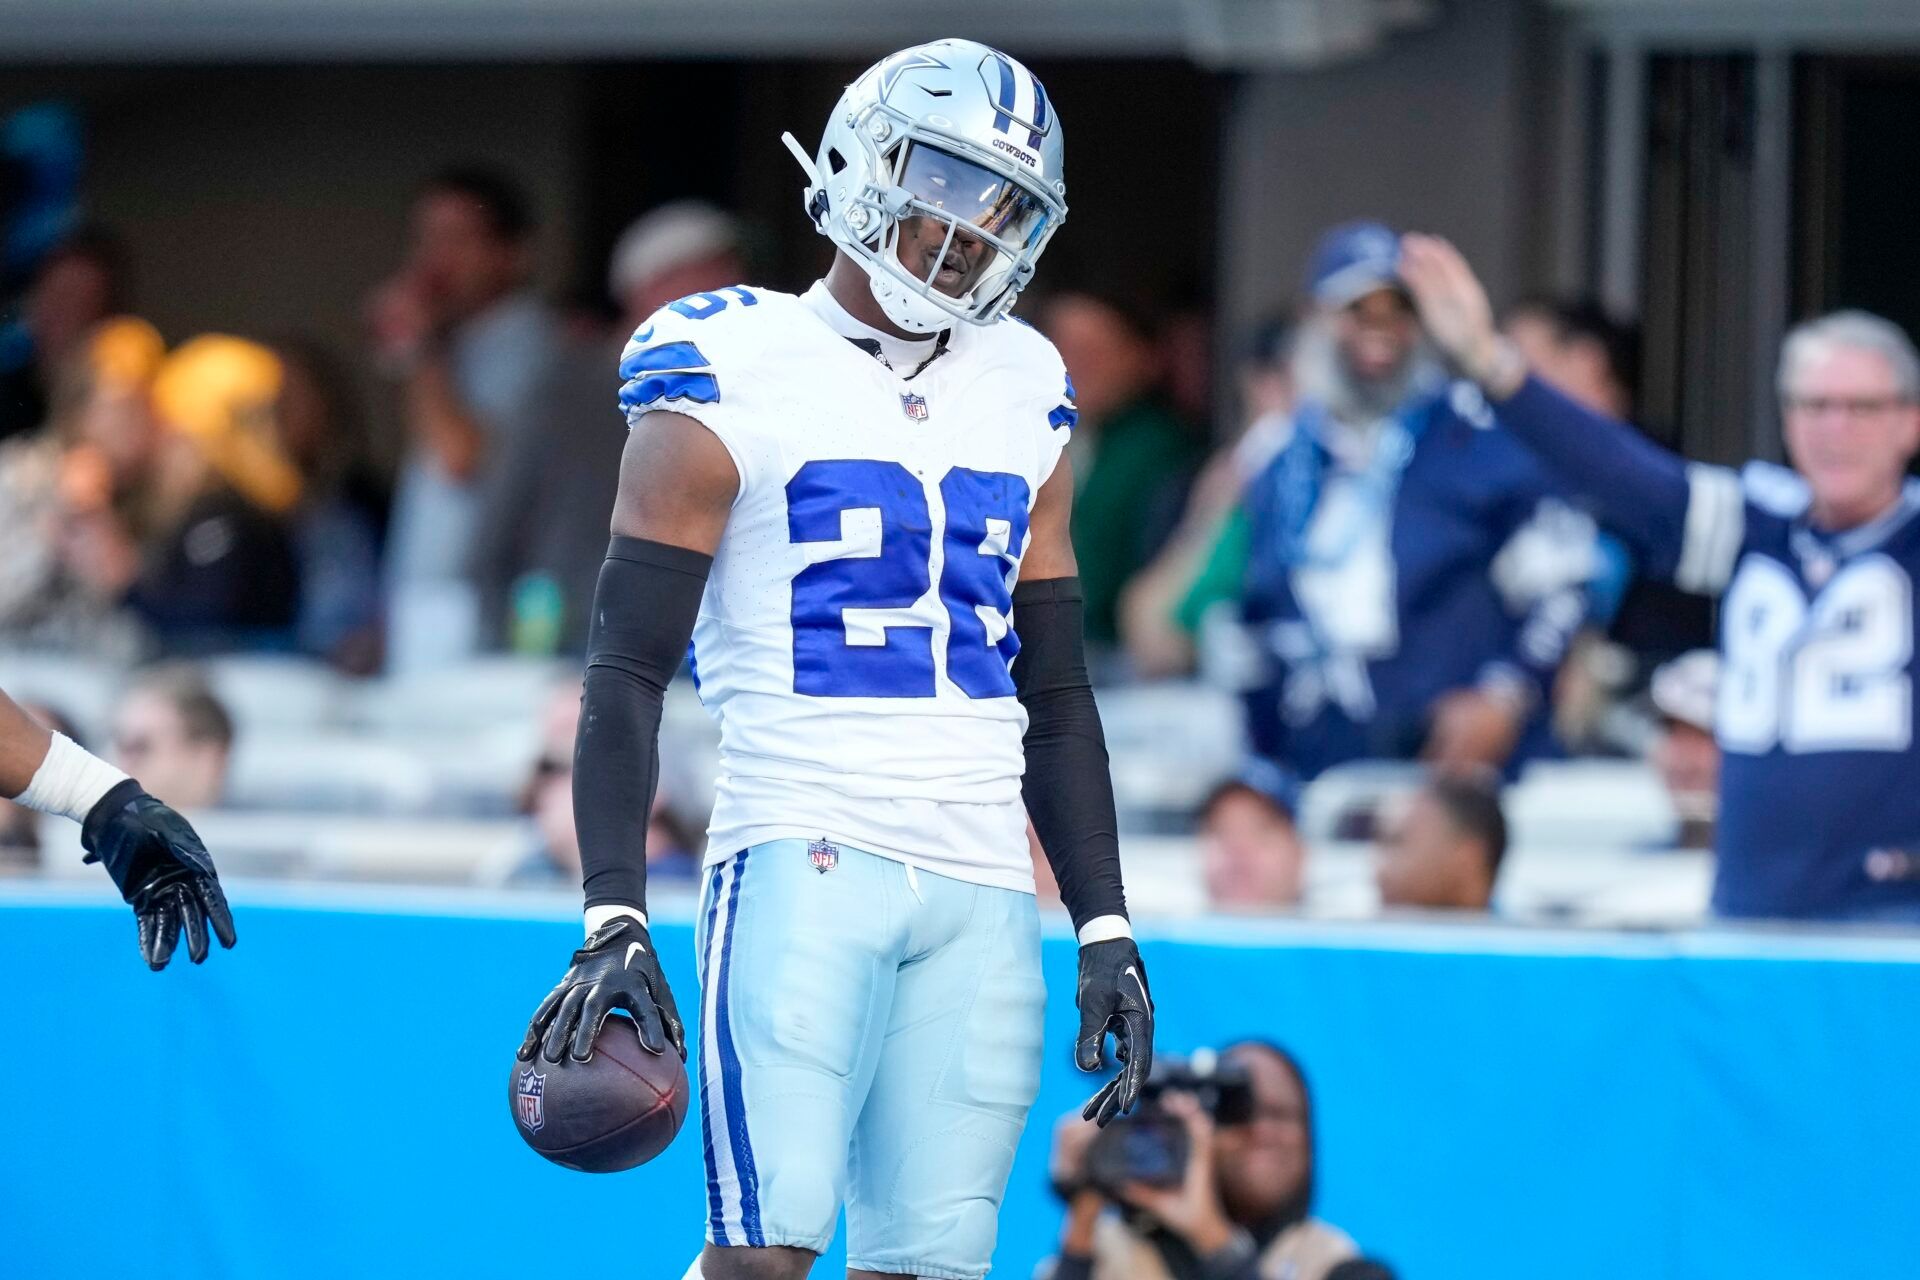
point(680, 354)
point(1030, 356)
point(1022, 344)
point(1775, 489)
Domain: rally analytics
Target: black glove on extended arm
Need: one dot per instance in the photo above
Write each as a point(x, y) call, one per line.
point(1069, 795)
point(161, 869)
point(618, 968)
point(643, 614)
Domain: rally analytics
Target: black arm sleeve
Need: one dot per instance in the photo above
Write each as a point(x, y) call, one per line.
point(1068, 791)
point(643, 614)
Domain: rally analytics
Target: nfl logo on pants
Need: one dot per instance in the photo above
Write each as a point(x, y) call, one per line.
point(824, 857)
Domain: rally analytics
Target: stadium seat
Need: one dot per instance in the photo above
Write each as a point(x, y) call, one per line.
point(278, 693)
point(476, 694)
point(327, 773)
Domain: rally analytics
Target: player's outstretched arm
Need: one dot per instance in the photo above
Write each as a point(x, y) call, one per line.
point(23, 746)
point(1069, 796)
point(677, 485)
point(1640, 491)
point(155, 858)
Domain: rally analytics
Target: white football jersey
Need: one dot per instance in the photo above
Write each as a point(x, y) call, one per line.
point(856, 634)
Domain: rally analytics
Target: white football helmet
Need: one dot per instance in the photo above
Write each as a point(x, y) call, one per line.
point(953, 131)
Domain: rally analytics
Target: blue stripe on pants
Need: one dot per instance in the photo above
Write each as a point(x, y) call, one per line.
point(730, 1074)
point(716, 1217)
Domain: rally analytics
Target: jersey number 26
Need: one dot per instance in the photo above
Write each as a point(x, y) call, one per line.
point(984, 534)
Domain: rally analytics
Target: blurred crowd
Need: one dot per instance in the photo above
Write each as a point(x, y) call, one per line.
point(1311, 516)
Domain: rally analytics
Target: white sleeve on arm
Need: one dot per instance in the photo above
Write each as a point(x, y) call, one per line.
point(70, 781)
point(1716, 526)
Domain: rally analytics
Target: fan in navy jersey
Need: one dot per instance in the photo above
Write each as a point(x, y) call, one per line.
point(1819, 814)
point(1411, 584)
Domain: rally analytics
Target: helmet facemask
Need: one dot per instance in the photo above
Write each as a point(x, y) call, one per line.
point(1008, 220)
point(912, 169)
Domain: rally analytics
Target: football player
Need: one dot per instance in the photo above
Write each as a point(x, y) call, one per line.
point(855, 503)
point(1819, 816)
point(153, 855)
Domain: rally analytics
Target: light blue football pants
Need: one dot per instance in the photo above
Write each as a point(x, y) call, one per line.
point(869, 1035)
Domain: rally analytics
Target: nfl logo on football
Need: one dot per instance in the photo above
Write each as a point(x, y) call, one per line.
point(914, 406)
point(824, 857)
point(530, 1098)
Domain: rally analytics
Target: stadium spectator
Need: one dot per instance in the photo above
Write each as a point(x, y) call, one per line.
point(1185, 340)
point(1195, 580)
point(172, 732)
point(547, 799)
point(1410, 586)
point(1440, 849)
point(545, 510)
point(78, 284)
point(1684, 752)
point(66, 488)
point(1577, 347)
point(1250, 852)
point(680, 248)
point(160, 493)
point(1132, 457)
point(336, 524)
point(469, 344)
point(216, 569)
point(1814, 570)
point(1243, 1210)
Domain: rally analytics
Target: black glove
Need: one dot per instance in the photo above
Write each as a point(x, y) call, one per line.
point(161, 868)
point(1113, 997)
point(618, 968)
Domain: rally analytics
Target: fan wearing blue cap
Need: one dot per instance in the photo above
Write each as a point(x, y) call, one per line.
point(1411, 584)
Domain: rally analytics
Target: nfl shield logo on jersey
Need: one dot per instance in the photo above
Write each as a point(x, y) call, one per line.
point(530, 1099)
point(824, 857)
point(914, 407)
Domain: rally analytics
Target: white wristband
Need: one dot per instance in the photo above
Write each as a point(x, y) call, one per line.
point(1104, 929)
point(70, 781)
point(600, 917)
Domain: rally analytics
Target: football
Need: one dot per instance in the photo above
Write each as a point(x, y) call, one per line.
point(618, 1109)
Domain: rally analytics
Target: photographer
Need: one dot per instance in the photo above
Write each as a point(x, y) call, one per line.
point(1212, 1179)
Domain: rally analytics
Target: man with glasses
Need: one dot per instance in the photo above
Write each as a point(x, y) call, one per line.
point(1819, 814)
point(154, 857)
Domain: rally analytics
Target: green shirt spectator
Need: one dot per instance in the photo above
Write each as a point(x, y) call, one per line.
point(1220, 573)
point(1134, 458)
point(1127, 502)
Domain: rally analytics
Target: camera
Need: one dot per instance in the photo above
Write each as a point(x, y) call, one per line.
point(1150, 1146)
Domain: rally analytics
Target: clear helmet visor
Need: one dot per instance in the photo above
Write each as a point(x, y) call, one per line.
point(1001, 222)
point(1008, 215)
